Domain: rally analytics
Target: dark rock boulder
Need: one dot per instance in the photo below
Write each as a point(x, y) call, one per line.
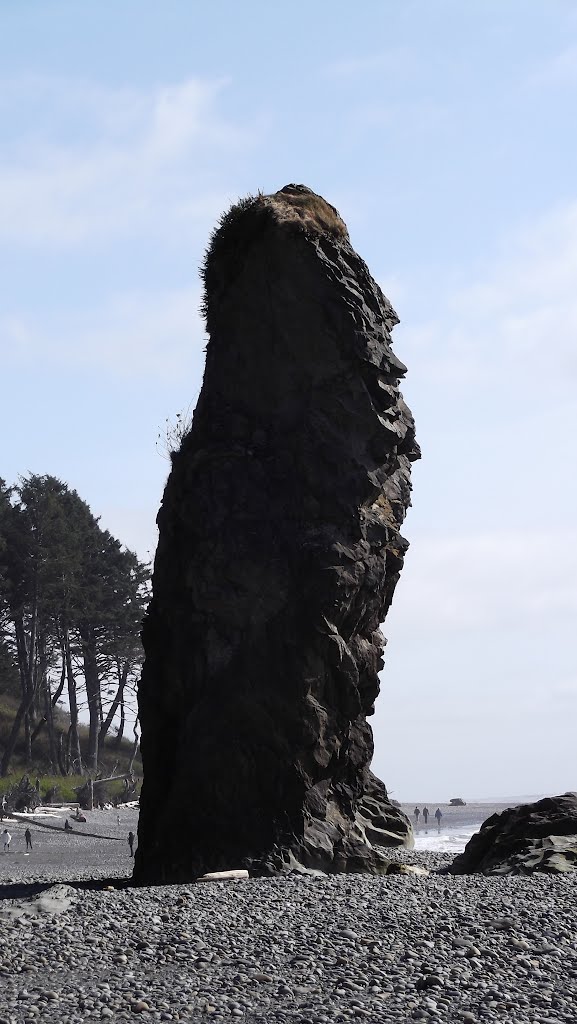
point(278, 556)
point(532, 837)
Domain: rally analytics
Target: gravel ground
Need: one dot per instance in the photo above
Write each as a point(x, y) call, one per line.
point(58, 855)
point(307, 950)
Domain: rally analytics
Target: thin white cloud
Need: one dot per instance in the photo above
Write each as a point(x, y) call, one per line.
point(536, 267)
point(565, 691)
point(133, 523)
point(559, 70)
point(113, 162)
point(134, 334)
point(409, 119)
point(490, 581)
point(399, 62)
point(394, 288)
point(518, 319)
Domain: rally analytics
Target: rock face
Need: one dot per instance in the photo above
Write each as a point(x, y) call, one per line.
point(532, 837)
point(279, 552)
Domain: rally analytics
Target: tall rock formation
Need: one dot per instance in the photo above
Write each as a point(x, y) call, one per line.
point(278, 556)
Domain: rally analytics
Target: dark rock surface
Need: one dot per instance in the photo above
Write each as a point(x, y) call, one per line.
point(278, 556)
point(541, 836)
point(382, 822)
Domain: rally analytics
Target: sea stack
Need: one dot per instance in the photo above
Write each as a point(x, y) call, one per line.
point(279, 552)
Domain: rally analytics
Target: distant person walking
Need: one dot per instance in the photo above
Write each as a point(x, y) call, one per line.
point(118, 819)
point(3, 809)
point(131, 843)
point(28, 838)
point(438, 816)
point(7, 838)
point(416, 813)
point(425, 814)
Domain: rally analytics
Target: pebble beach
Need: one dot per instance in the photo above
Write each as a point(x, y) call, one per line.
point(302, 949)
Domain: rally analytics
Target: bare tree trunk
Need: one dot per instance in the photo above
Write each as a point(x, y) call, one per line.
point(45, 685)
point(11, 741)
point(67, 755)
point(92, 681)
point(13, 737)
point(32, 674)
point(27, 687)
point(50, 722)
point(118, 702)
point(73, 740)
point(27, 735)
point(54, 698)
point(62, 759)
point(122, 722)
point(135, 745)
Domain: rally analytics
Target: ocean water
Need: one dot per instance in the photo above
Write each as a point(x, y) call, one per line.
point(457, 824)
point(445, 840)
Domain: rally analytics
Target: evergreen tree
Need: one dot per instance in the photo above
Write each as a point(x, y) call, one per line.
point(9, 675)
point(72, 599)
point(127, 585)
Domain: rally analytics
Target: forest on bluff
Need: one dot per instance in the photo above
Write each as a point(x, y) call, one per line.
point(72, 598)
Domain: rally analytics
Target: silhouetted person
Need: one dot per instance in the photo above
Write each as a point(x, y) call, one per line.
point(425, 814)
point(131, 843)
point(7, 840)
point(67, 826)
point(438, 816)
point(28, 838)
point(416, 813)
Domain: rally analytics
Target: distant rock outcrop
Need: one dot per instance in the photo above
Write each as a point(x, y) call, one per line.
point(278, 556)
point(532, 837)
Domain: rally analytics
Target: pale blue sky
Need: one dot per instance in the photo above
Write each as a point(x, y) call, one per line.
point(445, 134)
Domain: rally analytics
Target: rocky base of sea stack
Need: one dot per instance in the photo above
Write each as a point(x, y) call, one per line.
point(333, 846)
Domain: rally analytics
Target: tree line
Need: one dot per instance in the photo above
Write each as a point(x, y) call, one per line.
point(72, 600)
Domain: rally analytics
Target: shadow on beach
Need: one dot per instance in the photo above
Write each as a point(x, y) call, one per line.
point(93, 854)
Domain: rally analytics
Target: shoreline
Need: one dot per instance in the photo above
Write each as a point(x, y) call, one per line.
point(92, 851)
point(471, 813)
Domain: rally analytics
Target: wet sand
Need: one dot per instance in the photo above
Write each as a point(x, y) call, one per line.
point(452, 817)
